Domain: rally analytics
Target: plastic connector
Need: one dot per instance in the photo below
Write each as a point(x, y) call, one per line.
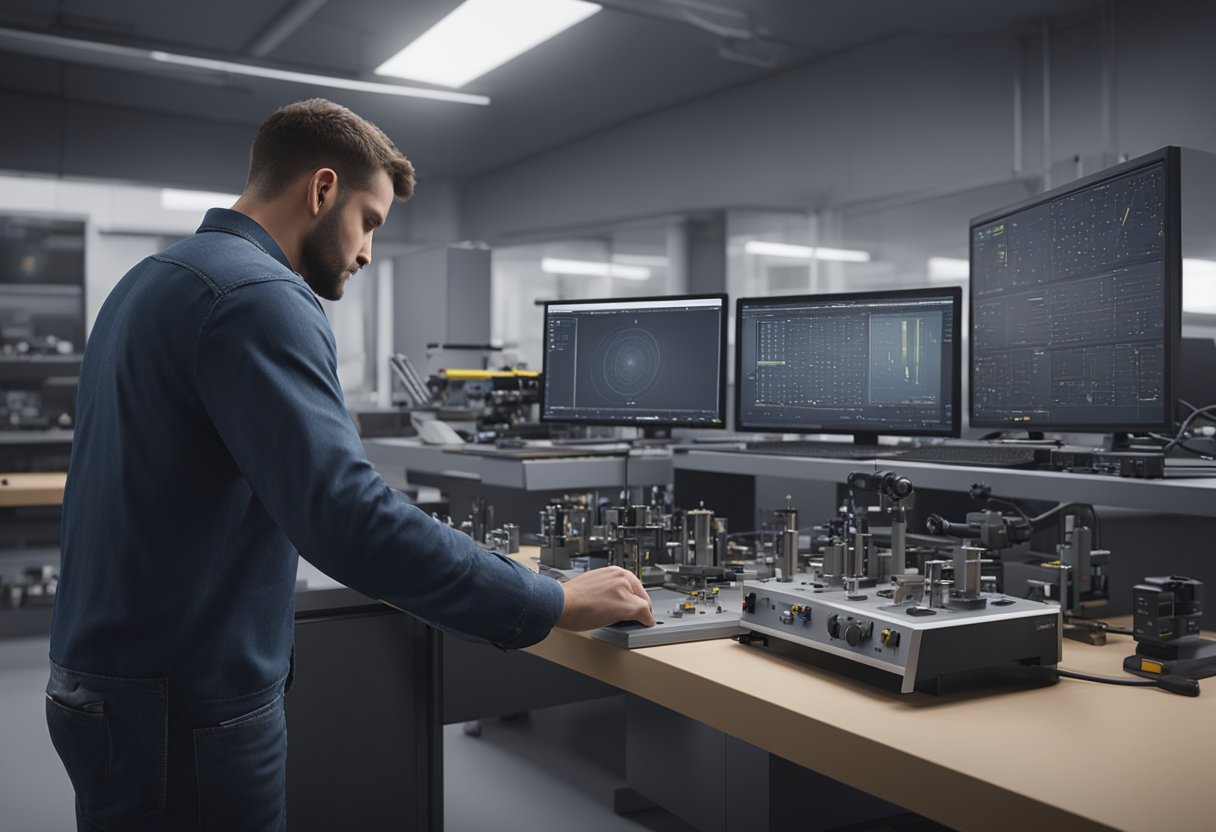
point(1179, 684)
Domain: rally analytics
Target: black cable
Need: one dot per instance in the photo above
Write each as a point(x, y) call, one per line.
point(1195, 451)
point(1174, 684)
point(1100, 625)
point(1010, 504)
point(1203, 410)
point(1186, 423)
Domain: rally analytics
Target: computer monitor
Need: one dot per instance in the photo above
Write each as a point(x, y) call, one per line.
point(1076, 304)
point(865, 363)
point(648, 362)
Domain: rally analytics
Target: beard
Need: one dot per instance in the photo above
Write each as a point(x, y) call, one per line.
point(323, 267)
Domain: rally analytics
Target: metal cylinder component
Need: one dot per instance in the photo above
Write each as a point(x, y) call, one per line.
point(899, 542)
point(631, 555)
point(852, 558)
point(721, 536)
point(873, 563)
point(967, 570)
point(861, 548)
point(939, 593)
point(933, 576)
point(787, 542)
point(512, 532)
point(833, 561)
point(701, 521)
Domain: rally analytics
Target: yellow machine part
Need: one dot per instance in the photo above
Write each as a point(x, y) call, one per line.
point(467, 375)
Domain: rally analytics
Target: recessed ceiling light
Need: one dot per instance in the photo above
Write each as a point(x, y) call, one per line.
point(553, 265)
point(480, 35)
point(845, 255)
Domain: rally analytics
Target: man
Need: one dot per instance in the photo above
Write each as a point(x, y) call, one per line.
point(212, 445)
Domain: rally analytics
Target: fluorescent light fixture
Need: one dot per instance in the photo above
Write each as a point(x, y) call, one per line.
point(553, 265)
point(948, 268)
point(843, 255)
point(480, 35)
point(176, 199)
point(96, 53)
point(779, 249)
point(652, 260)
point(315, 80)
point(1199, 286)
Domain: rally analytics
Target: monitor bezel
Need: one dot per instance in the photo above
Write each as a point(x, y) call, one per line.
point(954, 293)
point(1171, 157)
point(718, 424)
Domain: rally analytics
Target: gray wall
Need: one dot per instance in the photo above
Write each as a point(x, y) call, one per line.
point(909, 114)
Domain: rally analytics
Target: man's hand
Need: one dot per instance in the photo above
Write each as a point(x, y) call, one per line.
point(602, 597)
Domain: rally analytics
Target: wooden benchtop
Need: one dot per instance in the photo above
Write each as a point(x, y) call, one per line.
point(1075, 755)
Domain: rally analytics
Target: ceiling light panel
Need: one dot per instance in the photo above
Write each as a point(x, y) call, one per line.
point(480, 35)
point(592, 268)
point(842, 255)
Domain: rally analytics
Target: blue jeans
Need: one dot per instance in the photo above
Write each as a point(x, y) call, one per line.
point(141, 761)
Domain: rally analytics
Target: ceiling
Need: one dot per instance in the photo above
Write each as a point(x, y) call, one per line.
point(633, 58)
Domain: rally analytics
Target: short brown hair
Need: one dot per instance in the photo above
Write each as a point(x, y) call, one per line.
point(318, 133)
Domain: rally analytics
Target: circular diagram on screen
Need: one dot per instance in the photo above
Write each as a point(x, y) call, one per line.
point(626, 364)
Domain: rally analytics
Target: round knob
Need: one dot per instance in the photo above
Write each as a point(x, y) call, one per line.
point(857, 632)
point(834, 626)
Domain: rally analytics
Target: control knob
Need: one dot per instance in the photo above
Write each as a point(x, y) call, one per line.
point(834, 626)
point(857, 632)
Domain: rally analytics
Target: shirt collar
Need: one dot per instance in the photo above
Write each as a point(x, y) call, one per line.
point(234, 222)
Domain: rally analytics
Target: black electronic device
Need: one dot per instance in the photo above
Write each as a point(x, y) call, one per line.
point(984, 455)
point(1166, 612)
point(646, 362)
point(1076, 303)
point(866, 364)
point(1143, 465)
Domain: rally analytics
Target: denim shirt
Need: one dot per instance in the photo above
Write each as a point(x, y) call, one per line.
point(213, 447)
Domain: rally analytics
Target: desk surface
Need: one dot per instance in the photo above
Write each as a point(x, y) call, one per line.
point(31, 489)
point(1196, 496)
point(1075, 756)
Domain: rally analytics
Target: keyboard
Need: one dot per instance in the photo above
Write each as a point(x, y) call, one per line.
point(824, 450)
point(990, 456)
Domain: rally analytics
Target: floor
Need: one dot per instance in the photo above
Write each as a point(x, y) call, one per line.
point(556, 768)
point(35, 793)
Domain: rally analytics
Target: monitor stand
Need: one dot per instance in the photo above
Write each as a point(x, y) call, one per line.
point(1121, 441)
point(652, 437)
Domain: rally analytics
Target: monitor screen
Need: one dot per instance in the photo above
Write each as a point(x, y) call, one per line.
point(1074, 304)
point(648, 361)
point(865, 363)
